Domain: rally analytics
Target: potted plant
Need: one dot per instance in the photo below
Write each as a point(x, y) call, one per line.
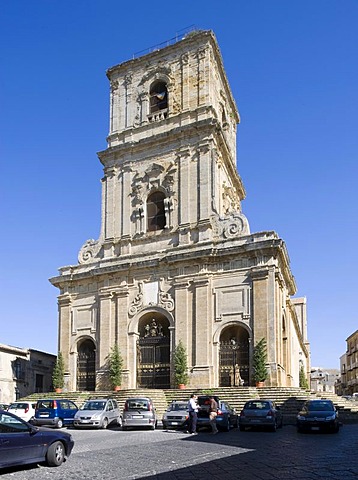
point(58, 374)
point(259, 363)
point(302, 378)
point(115, 367)
point(180, 365)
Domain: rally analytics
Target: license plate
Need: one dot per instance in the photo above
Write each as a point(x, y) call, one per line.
point(173, 423)
point(255, 421)
point(137, 416)
point(85, 421)
point(43, 414)
point(315, 428)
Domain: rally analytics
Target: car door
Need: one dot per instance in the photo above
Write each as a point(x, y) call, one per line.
point(68, 411)
point(18, 444)
point(111, 411)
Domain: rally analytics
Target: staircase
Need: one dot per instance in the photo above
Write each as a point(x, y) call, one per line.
point(289, 399)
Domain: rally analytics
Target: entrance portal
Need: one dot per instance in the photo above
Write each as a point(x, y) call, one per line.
point(153, 353)
point(86, 366)
point(234, 357)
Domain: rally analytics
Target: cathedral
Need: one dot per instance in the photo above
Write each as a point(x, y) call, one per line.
point(175, 259)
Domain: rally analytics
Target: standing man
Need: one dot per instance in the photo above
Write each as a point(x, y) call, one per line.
point(213, 412)
point(193, 413)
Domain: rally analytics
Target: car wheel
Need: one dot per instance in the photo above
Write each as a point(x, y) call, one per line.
point(124, 428)
point(152, 427)
point(242, 428)
point(274, 427)
point(227, 426)
point(299, 430)
point(105, 423)
point(55, 454)
point(59, 423)
point(119, 421)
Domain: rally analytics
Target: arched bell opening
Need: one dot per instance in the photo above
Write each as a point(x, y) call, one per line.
point(86, 366)
point(234, 366)
point(153, 351)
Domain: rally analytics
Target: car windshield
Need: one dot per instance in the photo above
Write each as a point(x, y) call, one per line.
point(93, 406)
point(175, 407)
point(320, 406)
point(45, 404)
point(257, 406)
point(19, 405)
point(138, 404)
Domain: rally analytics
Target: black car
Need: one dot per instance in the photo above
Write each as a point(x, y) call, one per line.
point(226, 416)
point(23, 443)
point(318, 415)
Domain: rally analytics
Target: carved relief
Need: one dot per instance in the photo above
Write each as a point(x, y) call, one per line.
point(89, 251)
point(162, 298)
point(231, 201)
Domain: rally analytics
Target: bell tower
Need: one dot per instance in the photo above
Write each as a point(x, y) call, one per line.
point(170, 165)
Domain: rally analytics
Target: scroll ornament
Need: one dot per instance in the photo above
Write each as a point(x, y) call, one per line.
point(89, 251)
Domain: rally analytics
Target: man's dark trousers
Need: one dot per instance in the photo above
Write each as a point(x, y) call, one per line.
point(193, 416)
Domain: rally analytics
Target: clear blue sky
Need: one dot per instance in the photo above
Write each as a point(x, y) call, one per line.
point(293, 69)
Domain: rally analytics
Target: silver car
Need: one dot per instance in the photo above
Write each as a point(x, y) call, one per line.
point(260, 413)
point(139, 412)
point(176, 416)
point(98, 413)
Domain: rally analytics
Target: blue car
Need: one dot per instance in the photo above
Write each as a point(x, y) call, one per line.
point(23, 443)
point(54, 412)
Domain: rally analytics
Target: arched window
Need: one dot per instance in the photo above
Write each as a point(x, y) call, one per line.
point(158, 97)
point(155, 211)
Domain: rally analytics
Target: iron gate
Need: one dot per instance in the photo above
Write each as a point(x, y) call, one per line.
point(234, 364)
point(86, 368)
point(153, 362)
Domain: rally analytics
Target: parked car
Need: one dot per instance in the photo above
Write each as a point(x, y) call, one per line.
point(54, 412)
point(24, 410)
point(139, 412)
point(4, 406)
point(23, 443)
point(176, 416)
point(99, 413)
point(317, 415)
point(226, 416)
point(260, 413)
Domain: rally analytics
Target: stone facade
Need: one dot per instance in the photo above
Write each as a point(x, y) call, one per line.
point(24, 371)
point(175, 259)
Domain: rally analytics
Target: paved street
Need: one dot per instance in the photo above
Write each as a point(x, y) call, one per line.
point(169, 455)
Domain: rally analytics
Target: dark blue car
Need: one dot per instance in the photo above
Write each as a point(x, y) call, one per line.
point(22, 443)
point(54, 412)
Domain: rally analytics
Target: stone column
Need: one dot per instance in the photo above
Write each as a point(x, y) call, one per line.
point(64, 336)
point(186, 195)
point(202, 334)
point(183, 316)
point(121, 332)
point(263, 299)
point(126, 207)
point(107, 331)
point(114, 107)
point(205, 193)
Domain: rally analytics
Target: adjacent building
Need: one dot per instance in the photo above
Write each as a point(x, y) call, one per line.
point(24, 371)
point(175, 259)
point(348, 384)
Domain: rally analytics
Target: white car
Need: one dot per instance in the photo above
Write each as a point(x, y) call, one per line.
point(24, 410)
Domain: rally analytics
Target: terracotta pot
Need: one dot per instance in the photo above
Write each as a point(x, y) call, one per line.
point(260, 384)
point(181, 386)
point(117, 388)
point(58, 390)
